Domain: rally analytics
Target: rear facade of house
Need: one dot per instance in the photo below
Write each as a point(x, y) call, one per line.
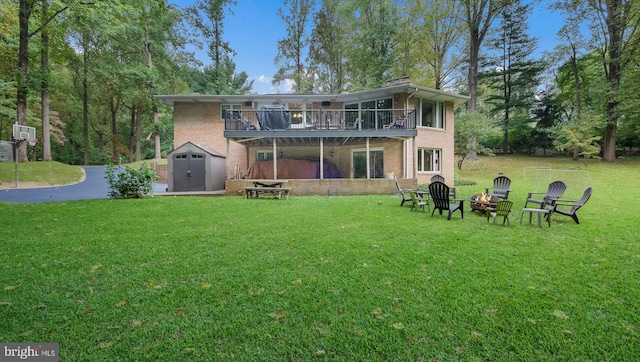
point(348, 143)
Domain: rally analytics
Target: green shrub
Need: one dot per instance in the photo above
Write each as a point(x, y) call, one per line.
point(462, 182)
point(423, 187)
point(130, 182)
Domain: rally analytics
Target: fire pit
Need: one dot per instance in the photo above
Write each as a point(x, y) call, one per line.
point(482, 201)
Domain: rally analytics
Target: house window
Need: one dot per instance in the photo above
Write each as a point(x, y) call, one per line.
point(430, 113)
point(374, 113)
point(264, 156)
point(428, 160)
point(229, 111)
point(376, 163)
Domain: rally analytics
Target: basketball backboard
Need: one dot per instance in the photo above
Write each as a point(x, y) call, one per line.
point(24, 133)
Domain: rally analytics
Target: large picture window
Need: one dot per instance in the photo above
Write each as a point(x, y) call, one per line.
point(430, 113)
point(429, 160)
point(374, 114)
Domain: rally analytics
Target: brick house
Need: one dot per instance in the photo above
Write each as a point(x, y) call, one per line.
point(353, 143)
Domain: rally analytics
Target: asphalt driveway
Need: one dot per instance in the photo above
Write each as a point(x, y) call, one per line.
point(94, 186)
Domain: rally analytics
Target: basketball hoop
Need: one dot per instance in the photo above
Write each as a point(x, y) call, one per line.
point(24, 133)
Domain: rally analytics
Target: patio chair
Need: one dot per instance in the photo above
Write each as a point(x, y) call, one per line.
point(353, 124)
point(439, 193)
point(247, 125)
point(397, 123)
point(503, 208)
point(575, 205)
point(439, 178)
point(417, 201)
point(403, 193)
point(554, 192)
point(500, 187)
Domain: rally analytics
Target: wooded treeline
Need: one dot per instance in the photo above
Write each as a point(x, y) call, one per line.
point(84, 72)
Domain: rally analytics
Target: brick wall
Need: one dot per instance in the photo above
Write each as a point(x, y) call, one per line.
point(332, 187)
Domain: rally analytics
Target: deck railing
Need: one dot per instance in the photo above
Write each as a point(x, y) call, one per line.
point(322, 119)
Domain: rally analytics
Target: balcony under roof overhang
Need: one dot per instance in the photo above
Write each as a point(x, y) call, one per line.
point(310, 138)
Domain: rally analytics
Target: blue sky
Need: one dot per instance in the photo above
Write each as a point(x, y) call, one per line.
point(255, 28)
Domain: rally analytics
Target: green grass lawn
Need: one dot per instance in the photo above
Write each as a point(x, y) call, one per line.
point(42, 173)
point(327, 278)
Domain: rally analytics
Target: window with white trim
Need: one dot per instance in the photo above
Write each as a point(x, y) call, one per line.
point(229, 111)
point(359, 163)
point(264, 156)
point(430, 113)
point(429, 160)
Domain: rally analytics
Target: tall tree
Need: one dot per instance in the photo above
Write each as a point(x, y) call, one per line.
point(410, 45)
point(511, 72)
point(211, 26)
point(296, 15)
point(478, 15)
point(156, 24)
point(371, 34)
point(25, 12)
point(614, 25)
point(473, 129)
point(22, 93)
point(440, 32)
point(205, 81)
point(326, 49)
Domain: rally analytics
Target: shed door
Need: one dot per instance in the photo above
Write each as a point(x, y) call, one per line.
point(189, 172)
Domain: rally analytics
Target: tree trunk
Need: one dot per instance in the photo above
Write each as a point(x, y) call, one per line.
point(155, 114)
point(472, 81)
point(115, 154)
point(23, 68)
point(472, 78)
point(85, 105)
point(615, 28)
point(576, 79)
point(132, 129)
point(609, 146)
point(138, 134)
point(44, 65)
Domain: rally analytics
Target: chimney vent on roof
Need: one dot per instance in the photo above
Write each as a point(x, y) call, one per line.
point(397, 81)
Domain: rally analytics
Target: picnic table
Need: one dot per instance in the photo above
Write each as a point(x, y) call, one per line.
point(273, 187)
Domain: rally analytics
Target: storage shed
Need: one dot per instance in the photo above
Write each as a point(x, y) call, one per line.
point(194, 167)
point(6, 151)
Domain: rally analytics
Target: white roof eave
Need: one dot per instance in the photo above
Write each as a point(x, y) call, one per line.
point(423, 92)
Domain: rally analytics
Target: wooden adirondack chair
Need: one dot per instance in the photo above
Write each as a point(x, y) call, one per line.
point(500, 187)
point(403, 193)
point(503, 208)
point(439, 193)
point(439, 178)
point(417, 201)
point(554, 192)
point(575, 205)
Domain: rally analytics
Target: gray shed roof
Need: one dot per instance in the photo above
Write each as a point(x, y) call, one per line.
point(197, 145)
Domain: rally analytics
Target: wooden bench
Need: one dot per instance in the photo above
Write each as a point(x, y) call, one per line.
point(255, 191)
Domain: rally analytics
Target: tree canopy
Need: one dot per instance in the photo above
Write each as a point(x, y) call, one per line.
point(85, 73)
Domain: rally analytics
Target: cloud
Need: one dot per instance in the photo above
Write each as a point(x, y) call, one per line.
point(287, 86)
point(264, 79)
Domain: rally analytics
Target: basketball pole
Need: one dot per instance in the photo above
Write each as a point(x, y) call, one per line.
point(16, 145)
